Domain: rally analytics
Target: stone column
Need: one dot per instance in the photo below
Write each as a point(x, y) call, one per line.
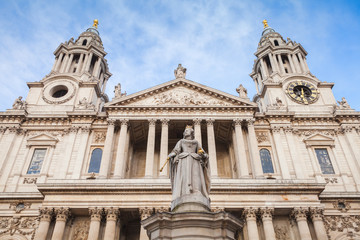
point(84, 65)
point(282, 68)
point(267, 219)
point(254, 149)
point(95, 218)
point(144, 214)
point(45, 219)
point(277, 132)
point(97, 67)
point(87, 68)
point(302, 62)
point(78, 66)
point(84, 136)
point(301, 219)
point(294, 153)
point(111, 218)
point(264, 68)
point(62, 214)
point(58, 61)
point(212, 147)
point(293, 70)
point(250, 217)
point(120, 161)
point(64, 63)
point(242, 165)
point(68, 65)
point(317, 219)
point(107, 154)
point(164, 146)
point(296, 63)
point(150, 149)
point(197, 129)
point(273, 63)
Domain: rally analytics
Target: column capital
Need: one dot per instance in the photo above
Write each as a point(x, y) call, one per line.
point(266, 213)
point(316, 213)
point(96, 213)
point(46, 214)
point(250, 213)
point(250, 121)
point(62, 214)
point(275, 129)
point(197, 121)
point(152, 121)
point(124, 122)
point(162, 209)
point(238, 121)
point(210, 121)
point(145, 212)
point(111, 213)
point(111, 122)
point(164, 121)
point(300, 213)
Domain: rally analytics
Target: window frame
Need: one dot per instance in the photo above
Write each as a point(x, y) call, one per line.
point(30, 157)
point(92, 148)
point(272, 160)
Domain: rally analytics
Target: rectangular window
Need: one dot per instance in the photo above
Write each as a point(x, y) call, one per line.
point(37, 161)
point(324, 161)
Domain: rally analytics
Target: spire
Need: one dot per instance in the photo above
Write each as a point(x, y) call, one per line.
point(94, 27)
point(267, 29)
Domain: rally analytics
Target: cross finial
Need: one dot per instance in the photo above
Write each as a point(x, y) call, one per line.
point(265, 23)
point(96, 23)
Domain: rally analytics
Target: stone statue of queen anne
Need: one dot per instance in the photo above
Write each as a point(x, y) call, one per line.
point(189, 172)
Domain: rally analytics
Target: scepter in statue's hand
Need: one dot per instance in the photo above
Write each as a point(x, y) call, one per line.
point(171, 155)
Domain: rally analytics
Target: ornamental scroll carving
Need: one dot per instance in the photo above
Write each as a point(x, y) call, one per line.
point(24, 226)
point(281, 233)
point(341, 223)
point(81, 230)
point(186, 98)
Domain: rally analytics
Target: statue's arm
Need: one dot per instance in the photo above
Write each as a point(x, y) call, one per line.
point(176, 150)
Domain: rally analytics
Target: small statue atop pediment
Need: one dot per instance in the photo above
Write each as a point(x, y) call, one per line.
point(19, 104)
point(343, 104)
point(118, 92)
point(242, 91)
point(180, 72)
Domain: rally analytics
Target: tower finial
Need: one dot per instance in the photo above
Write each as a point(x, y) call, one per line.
point(96, 23)
point(265, 23)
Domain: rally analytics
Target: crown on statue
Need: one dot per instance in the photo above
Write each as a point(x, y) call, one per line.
point(188, 126)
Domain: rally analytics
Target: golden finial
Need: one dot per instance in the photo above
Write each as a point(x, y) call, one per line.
point(265, 23)
point(96, 23)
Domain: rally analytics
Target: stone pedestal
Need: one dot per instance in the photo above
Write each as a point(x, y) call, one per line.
point(192, 225)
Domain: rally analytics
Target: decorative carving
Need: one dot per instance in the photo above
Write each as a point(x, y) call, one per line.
point(262, 137)
point(250, 121)
point(316, 213)
point(242, 91)
point(162, 209)
point(180, 71)
point(100, 137)
point(266, 213)
point(81, 230)
point(51, 100)
point(96, 213)
point(210, 121)
point(340, 223)
point(145, 212)
point(250, 213)
point(19, 104)
point(343, 104)
point(125, 122)
point(30, 180)
point(342, 205)
point(275, 129)
point(281, 233)
point(46, 214)
point(111, 121)
point(331, 180)
point(197, 121)
point(20, 205)
point(84, 104)
point(23, 226)
point(238, 121)
point(218, 209)
point(278, 105)
point(299, 213)
point(62, 214)
point(117, 91)
point(152, 121)
point(165, 121)
point(112, 213)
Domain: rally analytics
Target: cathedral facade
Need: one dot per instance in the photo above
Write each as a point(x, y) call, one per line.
point(76, 164)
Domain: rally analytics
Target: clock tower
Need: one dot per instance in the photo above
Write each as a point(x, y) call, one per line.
point(77, 80)
point(283, 79)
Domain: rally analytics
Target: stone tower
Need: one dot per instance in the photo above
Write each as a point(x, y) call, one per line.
point(283, 80)
point(77, 80)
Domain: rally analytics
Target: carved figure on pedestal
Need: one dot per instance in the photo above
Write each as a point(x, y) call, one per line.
point(180, 72)
point(242, 91)
point(19, 104)
point(189, 168)
point(343, 104)
point(118, 92)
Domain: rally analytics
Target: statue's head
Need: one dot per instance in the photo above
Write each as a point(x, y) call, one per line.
point(189, 132)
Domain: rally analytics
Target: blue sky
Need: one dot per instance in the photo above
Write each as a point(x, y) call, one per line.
point(145, 40)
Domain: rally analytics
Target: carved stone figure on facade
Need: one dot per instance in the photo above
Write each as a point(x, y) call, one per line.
point(85, 104)
point(189, 171)
point(117, 91)
point(180, 72)
point(278, 105)
point(279, 102)
point(242, 91)
point(19, 104)
point(343, 104)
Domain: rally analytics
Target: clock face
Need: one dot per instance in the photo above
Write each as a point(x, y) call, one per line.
point(302, 92)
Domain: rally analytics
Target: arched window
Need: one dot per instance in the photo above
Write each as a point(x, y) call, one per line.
point(276, 43)
point(266, 162)
point(84, 42)
point(95, 160)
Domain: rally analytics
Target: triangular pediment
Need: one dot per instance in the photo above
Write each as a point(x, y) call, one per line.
point(181, 93)
point(42, 140)
point(318, 137)
point(319, 140)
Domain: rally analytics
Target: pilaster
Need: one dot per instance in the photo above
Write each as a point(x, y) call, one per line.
point(212, 147)
point(120, 161)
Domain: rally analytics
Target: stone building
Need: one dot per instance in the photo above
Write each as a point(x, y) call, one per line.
point(77, 165)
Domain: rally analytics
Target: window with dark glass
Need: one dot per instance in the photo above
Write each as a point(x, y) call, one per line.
point(95, 160)
point(324, 161)
point(266, 161)
point(36, 161)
